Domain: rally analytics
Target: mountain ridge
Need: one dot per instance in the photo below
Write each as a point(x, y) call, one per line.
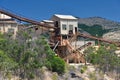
point(105, 23)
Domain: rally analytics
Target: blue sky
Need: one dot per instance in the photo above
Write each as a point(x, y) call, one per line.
point(44, 9)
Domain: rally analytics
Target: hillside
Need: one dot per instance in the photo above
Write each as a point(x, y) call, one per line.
point(105, 23)
point(94, 30)
point(114, 35)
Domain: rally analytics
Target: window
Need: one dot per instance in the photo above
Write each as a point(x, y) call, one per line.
point(70, 27)
point(13, 25)
point(2, 25)
point(64, 27)
point(64, 36)
point(10, 30)
point(56, 23)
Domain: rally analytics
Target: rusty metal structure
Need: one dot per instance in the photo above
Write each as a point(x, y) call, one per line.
point(62, 46)
point(25, 19)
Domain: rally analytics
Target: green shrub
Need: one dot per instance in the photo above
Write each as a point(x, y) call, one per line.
point(95, 30)
point(31, 76)
point(84, 68)
point(58, 65)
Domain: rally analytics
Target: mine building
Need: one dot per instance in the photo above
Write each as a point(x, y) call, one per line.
point(8, 25)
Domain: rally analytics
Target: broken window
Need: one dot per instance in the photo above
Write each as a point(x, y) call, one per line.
point(10, 30)
point(64, 27)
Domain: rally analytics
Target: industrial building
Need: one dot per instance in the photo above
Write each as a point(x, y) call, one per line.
point(63, 34)
point(8, 25)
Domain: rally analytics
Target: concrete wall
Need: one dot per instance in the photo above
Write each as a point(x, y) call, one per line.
point(5, 28)
point(78, 44)
point(6, 25)
point(68, 23)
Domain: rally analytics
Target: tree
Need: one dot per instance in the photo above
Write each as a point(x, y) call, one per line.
point(105, 58)
point(93, 30)
point(24, 56)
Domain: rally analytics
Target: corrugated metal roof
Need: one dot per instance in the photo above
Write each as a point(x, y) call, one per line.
point(65, 16)
point(50, 21)
point(3, 16)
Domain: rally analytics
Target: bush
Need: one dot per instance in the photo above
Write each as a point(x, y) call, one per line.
point(84, 68)
point(31, 76)
point(57, 65)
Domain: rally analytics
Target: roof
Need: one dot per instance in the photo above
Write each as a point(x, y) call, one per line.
point(3, 16)
point(49, 21)
point(65, 16)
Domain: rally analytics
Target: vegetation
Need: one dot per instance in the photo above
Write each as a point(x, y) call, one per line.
point(54, 76)
point(105, 23)
point(92, 76)
point(58, 65)
point(104, 58)
point(95, 30)
point(83, 69)
point(25, 56)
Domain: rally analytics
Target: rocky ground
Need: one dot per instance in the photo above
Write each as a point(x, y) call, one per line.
point(91, 73)
point(73, 72)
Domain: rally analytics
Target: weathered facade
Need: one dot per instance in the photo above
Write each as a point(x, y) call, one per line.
point(8, 25)
point(66, 23)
